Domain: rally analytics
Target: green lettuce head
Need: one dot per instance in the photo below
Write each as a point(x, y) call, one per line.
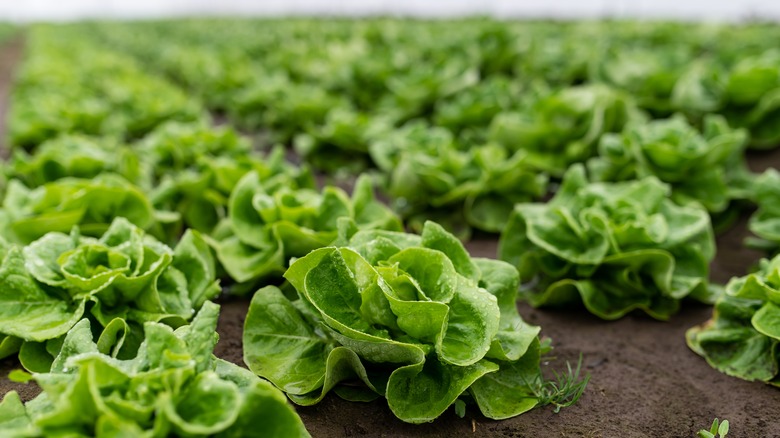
point(564, 127)
point(765, 222)
point(269, 223)
point(614, 247)
point(707, 166)
point(410, 318)
point(118, 281)
point(174, 386)
point(92, 204)
point(741, 339)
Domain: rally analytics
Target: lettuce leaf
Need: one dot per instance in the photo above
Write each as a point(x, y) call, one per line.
point(173, 386)
point(564, 127)
point(708, 167)
point(270, 223)
point(119, 281)
point(742, 336)
point(412, 318)
point(614, 247)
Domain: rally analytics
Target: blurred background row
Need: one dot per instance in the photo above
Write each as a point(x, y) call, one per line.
point(722, 10)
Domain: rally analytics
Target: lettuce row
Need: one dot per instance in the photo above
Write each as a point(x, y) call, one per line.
point(188, 170)
point(90, 203)
point(708, 167)
point(68, 83)
point(410, 318)
point(191, 169)
point(119, 281)
point(741, 339)
point(75, 156)
point(174, 386)
point(615, 247)
point(565, 126)
point(429, 177)
point(270, 222)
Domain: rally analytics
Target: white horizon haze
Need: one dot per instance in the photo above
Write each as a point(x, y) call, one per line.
point(698, 10)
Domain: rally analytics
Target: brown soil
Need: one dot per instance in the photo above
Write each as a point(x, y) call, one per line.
point(644, 380)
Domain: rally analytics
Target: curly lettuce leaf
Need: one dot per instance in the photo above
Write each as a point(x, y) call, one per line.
point(564, 127)
point(706, 166)
point(412, 319)
point(272, 224)
point(119, 281)
point(741, 339)
point(174, 386)
point(614, 247)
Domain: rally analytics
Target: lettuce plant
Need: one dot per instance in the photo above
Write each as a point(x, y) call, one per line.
point(700, 89)
point(474, 107)
point(174, 386)
point(752, 98)
point(341, 142)
point(741, 339)
point(94, 91)
point(92, 204)
point(270, 223)
point(765, 222)
point(429, 176)
point(118, 281)
point(191, 169)
point(707, 167)
point(615, 247)
point(286, 106)
point(415, 91)
point(73, 155)
point(410, 318)
point(564, 127)
point(649, 74)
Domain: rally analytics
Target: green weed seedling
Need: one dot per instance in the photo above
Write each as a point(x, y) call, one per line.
point(718, 429)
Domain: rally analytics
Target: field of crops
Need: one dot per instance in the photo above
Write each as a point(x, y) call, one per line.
point(396, 228)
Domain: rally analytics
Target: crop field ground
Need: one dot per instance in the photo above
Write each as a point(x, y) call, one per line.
point(644, 380)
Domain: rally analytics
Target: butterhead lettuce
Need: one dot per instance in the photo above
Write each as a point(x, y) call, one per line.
point(410, 318)
point(614, 247)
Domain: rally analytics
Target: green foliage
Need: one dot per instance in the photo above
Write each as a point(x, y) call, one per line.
point(752, 93)
point(192, 169)
point(119, 281)
point(717, 430)
point(412, 318)
point(174, 386)
point(707, 167)
point(565, 127)
point(271, 220)
point(91, 203)
point(615, 247)
point(75, 156)
point(70, 84)
point(765, 222)
point(741, 337)
point(430, 177)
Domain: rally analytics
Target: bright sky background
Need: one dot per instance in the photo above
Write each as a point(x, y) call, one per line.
point(709, 10)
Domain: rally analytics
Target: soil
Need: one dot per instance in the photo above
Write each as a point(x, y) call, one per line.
point(645, 382)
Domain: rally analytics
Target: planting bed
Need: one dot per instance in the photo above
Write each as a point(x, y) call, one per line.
point(645, 382)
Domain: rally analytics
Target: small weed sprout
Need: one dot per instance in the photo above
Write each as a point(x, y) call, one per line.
point(717, 430)
point(563, 390)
